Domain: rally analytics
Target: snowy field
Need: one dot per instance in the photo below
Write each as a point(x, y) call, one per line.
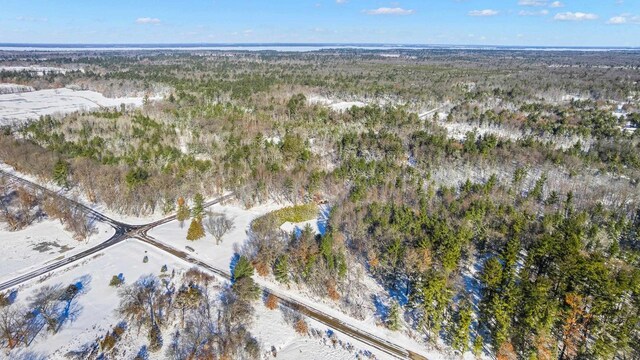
point(95, 311)
point(337, 105)
point(42, 243)
point(38, 70)
point(219, 256)
point(14, 88)
point(21, 107)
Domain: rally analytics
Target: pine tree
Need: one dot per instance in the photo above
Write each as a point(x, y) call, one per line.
point(198, 206)
point(393, 318)
point(196, 230)
point(281, 269)
point(477, 345)
point(183, 211)
point(462, 324)
point(61, 173)
point(242, 269)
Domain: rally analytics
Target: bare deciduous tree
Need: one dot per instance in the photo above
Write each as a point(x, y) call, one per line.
point(218, 225)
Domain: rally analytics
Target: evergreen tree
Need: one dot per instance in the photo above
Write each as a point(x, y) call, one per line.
point(478, 342)
point(196, 230)
point(393, 318)
point(183, 211)
point(155, 338)
point(433, 295)
point(116, 281)
point(242, 269)
point(198, 206)
point(243, 284)
point(461, 328)
point(281, 269)
point(61, 173)
point(538, 189)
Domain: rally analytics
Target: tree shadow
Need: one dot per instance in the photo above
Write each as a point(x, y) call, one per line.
point(234, 261)
point(382, 309)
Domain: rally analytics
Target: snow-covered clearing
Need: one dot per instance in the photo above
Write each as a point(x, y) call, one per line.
point(458, 131)
point(42, 243)
point(21, 107)
point(98, 301)
point(38, 70)
point(337, 105)
point(14, 88)
point(219, 256)
point(94, 311)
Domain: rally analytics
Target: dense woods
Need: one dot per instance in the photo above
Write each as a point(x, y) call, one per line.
point(505, 219)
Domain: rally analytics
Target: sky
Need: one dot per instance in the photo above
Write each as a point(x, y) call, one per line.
point(455, 22)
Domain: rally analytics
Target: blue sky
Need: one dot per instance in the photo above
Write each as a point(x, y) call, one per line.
point(473, 22)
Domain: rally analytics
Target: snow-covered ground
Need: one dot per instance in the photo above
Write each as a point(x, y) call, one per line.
point(14, 88)
point(459, 130)
point(271, 329)
point(21, 107)
point(98, 301)
point(219, 256)
point(337, 105)
point(38, 70)
point(42, 243)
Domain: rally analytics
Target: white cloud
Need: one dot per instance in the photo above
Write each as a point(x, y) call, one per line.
point(624, 19)
point(532, 2)
point(556, 4)
point(147, 20)
point(486, 12)
point(31, 19)
point(575, 16)
point(617, 20)
point(390, 11)
point(341, 1)
point(534, 13)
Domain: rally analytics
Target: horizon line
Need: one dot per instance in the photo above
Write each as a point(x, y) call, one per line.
point(397, 46)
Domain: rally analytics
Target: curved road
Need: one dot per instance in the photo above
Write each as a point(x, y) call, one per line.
point(125, 231)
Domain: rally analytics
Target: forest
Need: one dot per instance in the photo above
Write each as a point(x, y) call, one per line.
point(493, 195)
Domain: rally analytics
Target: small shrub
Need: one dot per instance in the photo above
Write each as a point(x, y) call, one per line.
point(301, 327)
point(118, 331)
point(115, 281)
point(332, 291)
point(145, 259)
point(4, 300)
point(262, 268)
point(108, 342)
point(271, 302)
